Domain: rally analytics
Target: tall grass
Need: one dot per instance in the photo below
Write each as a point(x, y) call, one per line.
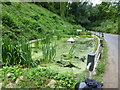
point(48, 48)
point(100, 69)
point(36, 44)
point(0, 46)
point(71, 51)
point(14, 53)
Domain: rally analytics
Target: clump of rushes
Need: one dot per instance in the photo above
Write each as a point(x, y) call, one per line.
point(48, 48)
point(71, 51)
point(16, 52)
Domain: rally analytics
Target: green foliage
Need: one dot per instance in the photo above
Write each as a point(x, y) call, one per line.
point(16, 53)
point(107, 26)
point(48, 48)
point(85, 36)
point(96, 45)
point(15, 70)
point(71, 51)
point(106, 18)
point(36, 44)
point(32, 24)
point(63, 9)
point(100, 69)
point(87, 15)
point(7, 3)
point(40, 77)
point(49, 52)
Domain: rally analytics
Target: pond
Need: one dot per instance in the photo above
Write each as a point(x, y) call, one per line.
point(82, 47)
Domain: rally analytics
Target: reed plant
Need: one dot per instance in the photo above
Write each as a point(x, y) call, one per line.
point(16, 52)
point(71, 51)
point(48, 48)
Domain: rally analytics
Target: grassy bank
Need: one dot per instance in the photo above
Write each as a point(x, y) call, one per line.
point(28, 20)
point(100, 69)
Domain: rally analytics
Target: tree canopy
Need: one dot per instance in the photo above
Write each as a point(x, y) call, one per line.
point(102, 17)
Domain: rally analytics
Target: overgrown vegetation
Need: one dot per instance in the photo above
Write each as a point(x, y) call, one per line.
point(14, 53)
point(48, 48)
point(106, 18)
point(41, 78)
point(28, 20)
point(102, 17)
point(31, 22)
point(101, 64)
point(24, 22)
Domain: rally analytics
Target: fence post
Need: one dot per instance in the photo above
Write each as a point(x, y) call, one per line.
point(90, 64)
point(101, 42)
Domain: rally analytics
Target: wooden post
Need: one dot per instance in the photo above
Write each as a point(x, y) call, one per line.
point(90, 59)
point(90, 65)
point(101, 42)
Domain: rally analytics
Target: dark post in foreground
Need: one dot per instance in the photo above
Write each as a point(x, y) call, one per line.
point(91, 57)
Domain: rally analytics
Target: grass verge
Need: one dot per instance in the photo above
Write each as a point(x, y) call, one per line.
point(100, 69)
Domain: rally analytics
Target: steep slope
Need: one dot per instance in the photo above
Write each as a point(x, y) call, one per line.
point(30, 21)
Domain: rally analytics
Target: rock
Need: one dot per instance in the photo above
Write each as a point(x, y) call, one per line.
point(11, 85)
point(19, 79)
point(9, 75)
point(52, 82)
point(0, 85)
point(77, 36)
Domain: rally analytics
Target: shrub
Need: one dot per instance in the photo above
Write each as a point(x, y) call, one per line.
point(8, 20)
point(7, 3)
point(15, 70)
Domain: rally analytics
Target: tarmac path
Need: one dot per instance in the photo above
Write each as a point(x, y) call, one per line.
point(111, 74)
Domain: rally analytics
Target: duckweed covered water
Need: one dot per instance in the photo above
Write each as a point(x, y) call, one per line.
point(82, 48)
